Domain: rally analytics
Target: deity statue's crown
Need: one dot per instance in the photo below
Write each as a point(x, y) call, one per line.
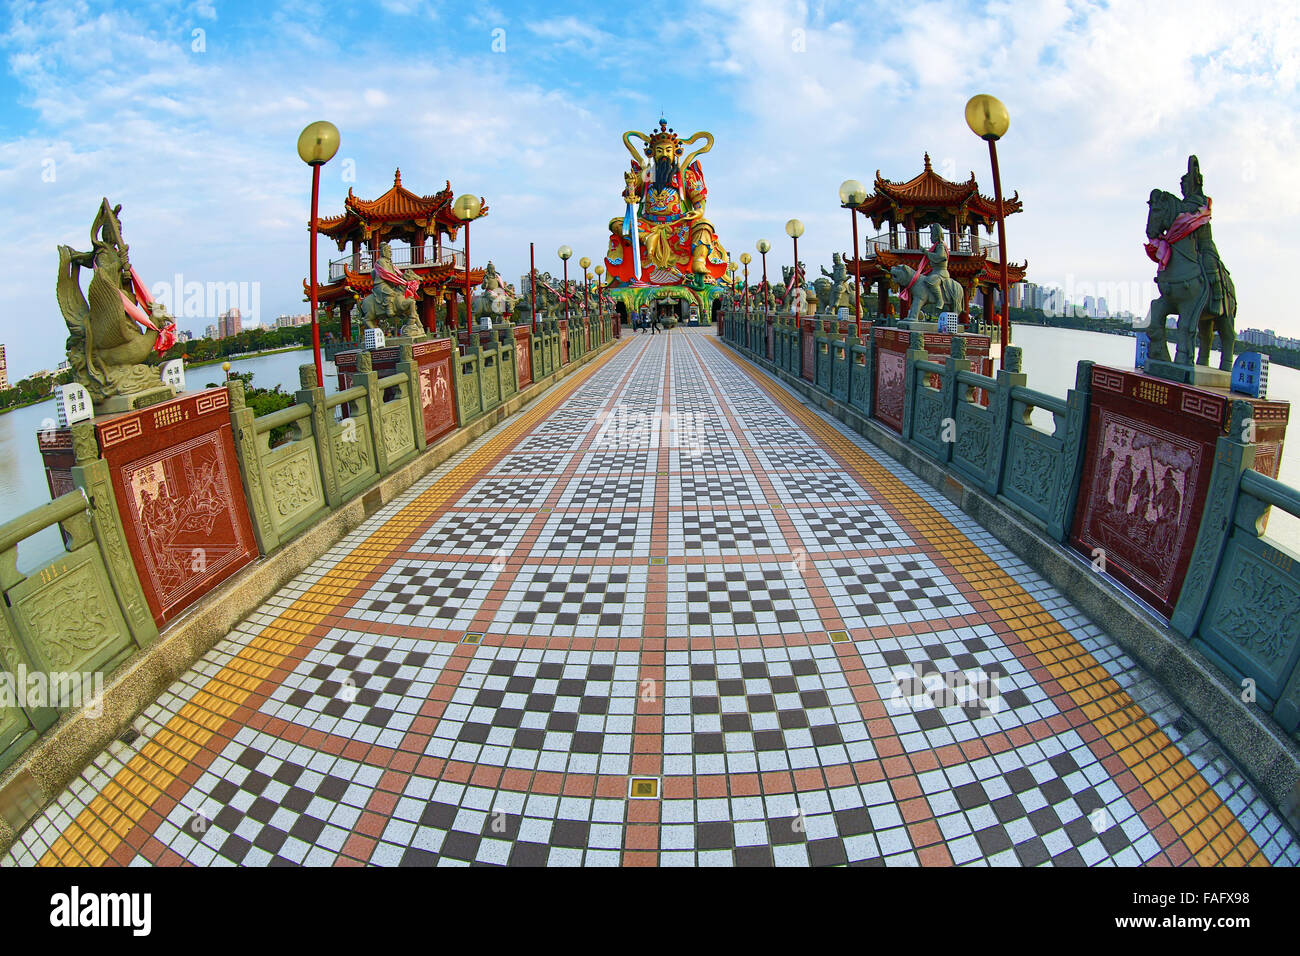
point(663, 135)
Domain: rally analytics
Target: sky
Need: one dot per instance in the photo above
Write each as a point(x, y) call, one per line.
point(188, 114)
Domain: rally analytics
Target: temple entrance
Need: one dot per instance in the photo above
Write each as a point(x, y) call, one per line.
point(621, 308)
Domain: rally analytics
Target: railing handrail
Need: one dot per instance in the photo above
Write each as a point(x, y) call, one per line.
point(964, 246)
point(1027, 396)
point(284, 416)
point(62, 508)
point(402, 258)
point(347, 395)
point(1271, 491)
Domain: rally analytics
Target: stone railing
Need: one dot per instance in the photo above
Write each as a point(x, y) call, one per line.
point(1240, 599)
point(86, 612)
point(71, 618)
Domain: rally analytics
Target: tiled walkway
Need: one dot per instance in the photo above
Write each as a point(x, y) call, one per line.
point(668, 568)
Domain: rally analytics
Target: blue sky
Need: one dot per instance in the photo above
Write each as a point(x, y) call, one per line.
point(194, 133)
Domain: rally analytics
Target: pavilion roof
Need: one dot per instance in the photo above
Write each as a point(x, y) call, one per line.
point(928, 192)
point(396, 207)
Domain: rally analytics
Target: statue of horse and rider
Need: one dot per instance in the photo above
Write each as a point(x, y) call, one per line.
point(932, 285)
point(1192, 280)
point(392, 296)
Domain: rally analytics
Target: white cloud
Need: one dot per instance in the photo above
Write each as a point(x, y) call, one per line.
point(1106, 102)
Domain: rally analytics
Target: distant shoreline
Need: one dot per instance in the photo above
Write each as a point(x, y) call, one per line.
point(226, 358)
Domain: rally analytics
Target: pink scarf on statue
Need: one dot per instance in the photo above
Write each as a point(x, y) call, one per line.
point(1161, 247)
point(905, 295)
point(409, 289)
point(141, 313)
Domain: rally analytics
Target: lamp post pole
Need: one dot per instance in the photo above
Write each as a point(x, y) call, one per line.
point(532, 285)
point(564, 253)
point(317, 145)
point(794, 229)
point(762, 246)
point(466, 208)
point(988, 119)
point(1002, 249)
point(586, 303)
point(852, 195)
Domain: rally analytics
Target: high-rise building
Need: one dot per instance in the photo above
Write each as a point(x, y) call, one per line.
point(4, 369)
point(230, 323)
point(211, 332)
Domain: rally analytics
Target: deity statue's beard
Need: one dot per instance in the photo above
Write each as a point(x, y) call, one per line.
point(664, 171)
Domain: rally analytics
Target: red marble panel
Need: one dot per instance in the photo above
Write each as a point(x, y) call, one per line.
point(55, 445)
point(178, 490)
point(890, 367)
point(807, 344)
point(524, 356)
point(1146, 473)
point(437, 398)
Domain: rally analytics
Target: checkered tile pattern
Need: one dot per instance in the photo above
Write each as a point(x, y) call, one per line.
point(743, 713)
point(571, 534)
point(724, 602)
point(891, 590)
point(847, 528)
point(619, 490)
point(474, 533)
point(568, 601)
point(492, 493)
point(555, 712)
point(263, 803)
point(715, 490)
point(428, 594)
point(359, 686)
point(724, 532)
point(741, 599)
point(817, 486)
point(446, 824)
point(818, 828)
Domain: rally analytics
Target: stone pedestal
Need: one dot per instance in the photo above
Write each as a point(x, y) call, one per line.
point(178, 489)
point(134, 400)
point(1200, 375)
point(1146, 472)
point(891, 345)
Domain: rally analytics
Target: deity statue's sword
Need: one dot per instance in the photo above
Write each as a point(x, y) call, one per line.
point(630, 230)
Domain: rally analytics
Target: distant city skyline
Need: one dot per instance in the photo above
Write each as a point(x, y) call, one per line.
point(525, 104)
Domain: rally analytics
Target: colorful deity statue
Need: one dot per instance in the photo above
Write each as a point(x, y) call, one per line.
point(664, 221)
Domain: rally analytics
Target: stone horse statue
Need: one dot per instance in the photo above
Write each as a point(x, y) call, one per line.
point(392, 296)
point(942, 292)
point(1184, 279)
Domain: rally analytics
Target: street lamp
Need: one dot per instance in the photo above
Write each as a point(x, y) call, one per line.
point(466, 208)
point(852, 195)
point(317, 145)
point(600, 293)
point(763, 246)
point(746, 259)
point(565, 253)
point(225, 367)
point(586, 264)
point(794, 229)
point(988, 119)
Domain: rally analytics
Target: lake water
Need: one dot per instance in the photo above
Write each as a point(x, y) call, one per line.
point(1050, 357)
point(22, 473)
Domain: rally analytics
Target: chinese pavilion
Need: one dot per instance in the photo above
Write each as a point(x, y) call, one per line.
point(910, 208)
point(420, 222)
